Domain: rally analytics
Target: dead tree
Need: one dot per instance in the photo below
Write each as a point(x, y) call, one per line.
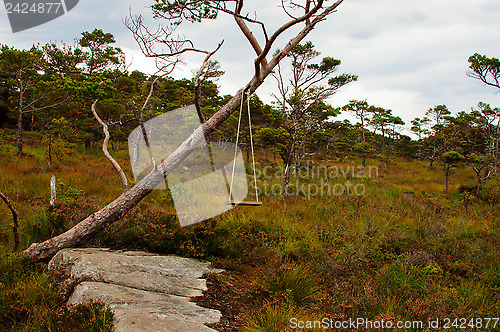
point(301, 100)
point(105, 142)
point(165, 65)
point(313, 12)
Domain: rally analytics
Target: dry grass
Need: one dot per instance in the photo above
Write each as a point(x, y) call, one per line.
point(403, 250)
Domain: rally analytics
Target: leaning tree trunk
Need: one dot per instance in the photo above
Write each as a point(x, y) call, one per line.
point(127, 200)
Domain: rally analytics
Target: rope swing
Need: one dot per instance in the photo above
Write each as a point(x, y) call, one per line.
point(230, 200)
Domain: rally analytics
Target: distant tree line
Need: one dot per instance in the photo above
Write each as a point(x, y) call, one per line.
point(50, 88)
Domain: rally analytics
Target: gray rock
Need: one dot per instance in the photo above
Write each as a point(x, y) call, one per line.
point(146, 292)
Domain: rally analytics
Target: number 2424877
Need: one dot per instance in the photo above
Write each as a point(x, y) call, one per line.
point(35, 8)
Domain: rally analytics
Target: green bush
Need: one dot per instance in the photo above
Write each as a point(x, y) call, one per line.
point(490, 191)
point(86, 317)
point(66, 193)
point(271, 318)
point(30, 301)
point(405, 281)
point(295, 283)
point(26, 292)
point(281, 318)
point(151, 229)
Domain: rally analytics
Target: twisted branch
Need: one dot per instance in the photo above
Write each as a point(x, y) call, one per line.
point(105, 148)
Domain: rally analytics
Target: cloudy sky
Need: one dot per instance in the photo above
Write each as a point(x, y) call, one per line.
point(409, 55)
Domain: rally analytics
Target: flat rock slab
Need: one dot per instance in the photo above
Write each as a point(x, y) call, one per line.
point(146, 292)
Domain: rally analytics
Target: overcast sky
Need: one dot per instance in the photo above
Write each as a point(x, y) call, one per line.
point(409, 55)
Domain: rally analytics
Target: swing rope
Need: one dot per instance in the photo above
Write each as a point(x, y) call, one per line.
point(236, 148)
point(253, 156)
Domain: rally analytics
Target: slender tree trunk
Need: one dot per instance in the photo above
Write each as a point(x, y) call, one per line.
point(446, 174)
point(20, 133)
point(49, 151)
point(197, 100)
point(286, 181)
point(247, 155)
point(288, 164)
point(364, 140)
point(384, 151)
point(53, 190)
point(419, 148)
point(364, 163)
point(478, 176)
point(20, 121)
point(432, 158)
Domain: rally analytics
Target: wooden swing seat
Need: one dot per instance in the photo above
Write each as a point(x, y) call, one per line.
point(244, 203)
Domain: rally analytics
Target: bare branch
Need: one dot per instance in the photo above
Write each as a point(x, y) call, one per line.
point(240, 21)
point(237, 15)
point(306, 9)
point(105, 148)
point(290, 24)
point(146, 101)
point(44, 107)
point(286, 10)
point(283, 90)
point(147, 40)
point(15, 226)
point(301, 35)
point(482, 75)
point(196, 82)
